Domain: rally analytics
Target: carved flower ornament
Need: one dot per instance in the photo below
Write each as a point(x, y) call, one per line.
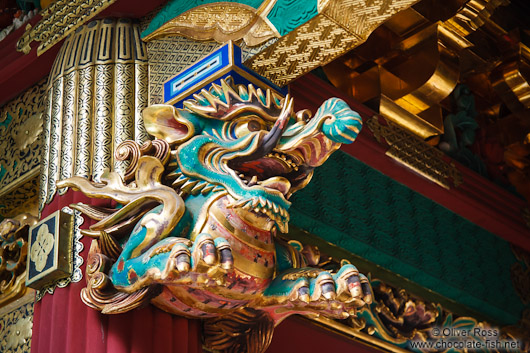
point(42, 247)
point(19, 333)
point(28, 132)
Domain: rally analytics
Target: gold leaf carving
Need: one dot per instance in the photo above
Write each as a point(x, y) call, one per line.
point(20, 128)
point(13, 254)
point(58, 20)
point(93, 102)
point(340, 26)
point(415, 154)
point(15, 329)
point(221, 22)
point(310, 45)
point(21, 146)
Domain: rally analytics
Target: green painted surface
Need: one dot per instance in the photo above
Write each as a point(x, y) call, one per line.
point(7, 121)
point(285, 16)
point(2, 172)
point(361, 210)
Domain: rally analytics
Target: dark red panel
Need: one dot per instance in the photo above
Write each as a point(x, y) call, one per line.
point(299, 335)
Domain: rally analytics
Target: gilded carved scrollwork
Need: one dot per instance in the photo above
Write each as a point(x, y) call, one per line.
point(221, 22)
point(21, 143)
point(397, 321)
point(96, 92)
point(397, 318)
point(16, 328)
point(169, 56)
point(13, 253)
point(20, 129)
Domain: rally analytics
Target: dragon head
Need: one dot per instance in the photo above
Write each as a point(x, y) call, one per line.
point(251, 143)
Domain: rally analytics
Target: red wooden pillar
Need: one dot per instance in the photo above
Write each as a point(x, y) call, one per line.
point(62, 323)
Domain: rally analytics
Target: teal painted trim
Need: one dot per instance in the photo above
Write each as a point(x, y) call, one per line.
point(3, 172)
point(286, 15)
point(370, 215)
point(6, 122)
point(176, 7)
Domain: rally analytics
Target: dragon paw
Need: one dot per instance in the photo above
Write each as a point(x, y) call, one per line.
point(310, 289)
point(205, 261)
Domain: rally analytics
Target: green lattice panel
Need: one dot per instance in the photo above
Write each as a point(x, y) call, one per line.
point(361, 210)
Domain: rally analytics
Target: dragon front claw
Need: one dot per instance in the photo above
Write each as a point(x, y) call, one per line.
point(207, 259)
point(309, 290)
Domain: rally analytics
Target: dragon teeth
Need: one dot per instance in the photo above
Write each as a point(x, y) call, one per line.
point(255, 201)
point(207, 189)
point(174, 175)
point(262, 201)
point(241, 202)
point(180, 181)
point(284, 158)
point(197, 188)
point(187, 187)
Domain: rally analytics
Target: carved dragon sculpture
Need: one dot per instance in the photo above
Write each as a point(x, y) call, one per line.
point(199, 209)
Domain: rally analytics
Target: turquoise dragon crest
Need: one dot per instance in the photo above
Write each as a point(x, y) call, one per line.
point(200, 211)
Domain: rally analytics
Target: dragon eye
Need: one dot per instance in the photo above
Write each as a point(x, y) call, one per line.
point(247, 126)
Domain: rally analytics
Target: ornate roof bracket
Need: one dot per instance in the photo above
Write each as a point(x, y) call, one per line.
point(59, 20)
point(338, 27)
point(221, 22)
point(415, 154)
point(309, 35)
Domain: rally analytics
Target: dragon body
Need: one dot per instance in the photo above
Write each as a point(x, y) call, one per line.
point(201, 208)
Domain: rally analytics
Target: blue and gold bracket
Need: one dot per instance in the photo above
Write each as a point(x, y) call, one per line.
point(49, 250)
point(223, 62)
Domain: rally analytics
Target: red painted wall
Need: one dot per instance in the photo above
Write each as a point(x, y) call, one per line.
point(62, 323)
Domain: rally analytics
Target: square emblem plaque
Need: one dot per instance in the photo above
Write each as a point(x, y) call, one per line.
point(49, 250)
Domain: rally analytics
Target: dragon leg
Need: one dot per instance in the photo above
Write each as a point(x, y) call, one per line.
point(174, 259)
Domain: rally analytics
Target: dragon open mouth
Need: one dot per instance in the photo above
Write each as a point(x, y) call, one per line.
point(275, 170)
point(250, 144)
